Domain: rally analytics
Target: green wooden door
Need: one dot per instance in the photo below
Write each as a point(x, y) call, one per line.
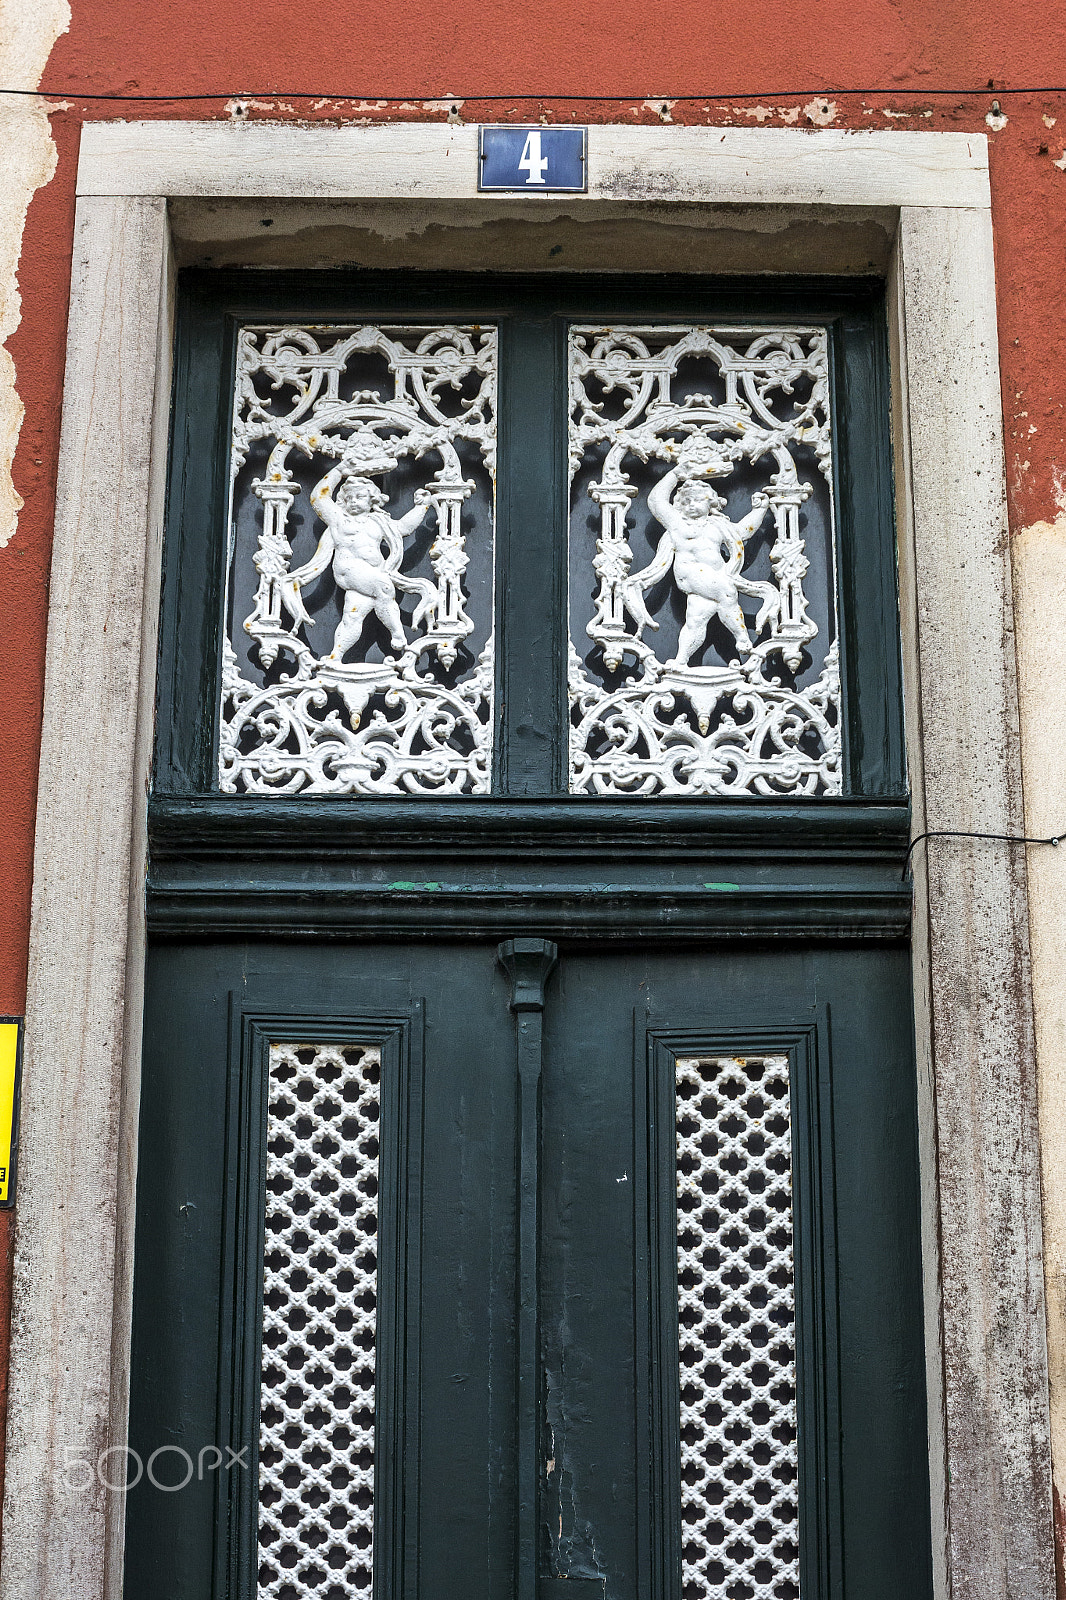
point(527, 1189)
point(594, 1425)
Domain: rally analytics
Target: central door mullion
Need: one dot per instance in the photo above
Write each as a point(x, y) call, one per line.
point(528, 963)
point(531, 557)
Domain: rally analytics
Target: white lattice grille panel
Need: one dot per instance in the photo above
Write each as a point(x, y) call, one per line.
point(316, 1438)
point(736, 1307)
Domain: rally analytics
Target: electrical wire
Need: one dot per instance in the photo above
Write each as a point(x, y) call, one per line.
point(525, 95)
point(960, 833)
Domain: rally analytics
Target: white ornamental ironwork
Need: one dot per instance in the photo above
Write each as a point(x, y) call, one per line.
point(296, 722)
point(737, 1327)
point(766, 721)
point(320, 1285)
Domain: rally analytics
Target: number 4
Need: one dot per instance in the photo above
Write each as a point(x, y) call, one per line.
point(532, 161)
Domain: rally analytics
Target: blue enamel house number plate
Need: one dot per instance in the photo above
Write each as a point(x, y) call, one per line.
point(532, 160)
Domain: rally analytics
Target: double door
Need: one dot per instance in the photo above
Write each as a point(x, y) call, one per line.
point(477, 1268)
point(500, 615)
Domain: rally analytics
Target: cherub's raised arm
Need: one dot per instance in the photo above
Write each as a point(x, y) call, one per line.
point(659, 497)
point(407, 524)
point(750, 524)
point(322, 494)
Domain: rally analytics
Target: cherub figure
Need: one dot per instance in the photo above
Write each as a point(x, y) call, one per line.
point(366, 548)
point(706, 552)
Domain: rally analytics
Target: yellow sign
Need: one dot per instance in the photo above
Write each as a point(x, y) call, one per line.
point(10, 1072)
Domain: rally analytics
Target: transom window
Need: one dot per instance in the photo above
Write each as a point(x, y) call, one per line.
point(695, 647)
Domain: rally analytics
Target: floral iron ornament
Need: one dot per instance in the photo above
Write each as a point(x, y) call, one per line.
point(749, 701)
point(300, 718)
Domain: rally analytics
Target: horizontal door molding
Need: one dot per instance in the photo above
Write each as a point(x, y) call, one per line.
point(431, 909)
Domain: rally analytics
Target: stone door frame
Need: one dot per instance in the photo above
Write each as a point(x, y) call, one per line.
point(154, 194)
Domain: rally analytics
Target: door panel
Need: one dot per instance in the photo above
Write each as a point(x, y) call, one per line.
point(614, 1025)
point(447, 1473)
point(211, 1011)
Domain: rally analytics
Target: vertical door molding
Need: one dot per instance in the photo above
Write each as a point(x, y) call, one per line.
point(988, 1366)
point(528, 963)
point(73, 1250)
point(973, 1003)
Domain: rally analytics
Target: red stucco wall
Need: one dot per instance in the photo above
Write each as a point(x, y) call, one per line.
point(912, 64)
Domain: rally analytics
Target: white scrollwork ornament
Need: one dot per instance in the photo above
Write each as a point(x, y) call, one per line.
point(293, 721)
point(672, 726)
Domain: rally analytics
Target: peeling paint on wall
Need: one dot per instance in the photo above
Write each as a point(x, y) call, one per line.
point(1038, 555)
point(27, 34)
point(820, 113)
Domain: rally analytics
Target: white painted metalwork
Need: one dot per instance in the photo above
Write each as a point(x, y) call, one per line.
point(298, 717)
point(750, 404)
point(316, 1438)
point(736, 1309)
